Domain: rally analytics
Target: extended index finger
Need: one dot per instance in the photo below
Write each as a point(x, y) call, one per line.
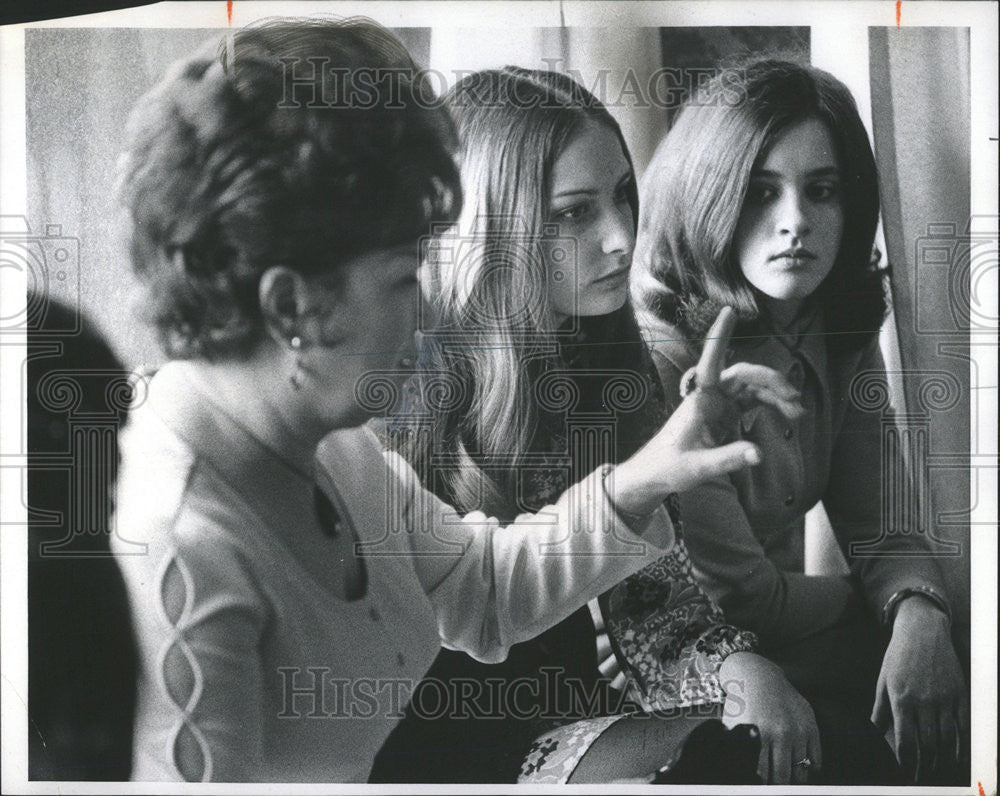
point(713, 355)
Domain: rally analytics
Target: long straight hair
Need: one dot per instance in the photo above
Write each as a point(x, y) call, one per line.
point(684, 268)
point(490, 283)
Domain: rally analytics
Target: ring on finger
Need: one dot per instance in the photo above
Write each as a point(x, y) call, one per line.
point(805, 762)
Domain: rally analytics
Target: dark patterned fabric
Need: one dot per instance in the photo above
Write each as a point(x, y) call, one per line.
point(669, 636)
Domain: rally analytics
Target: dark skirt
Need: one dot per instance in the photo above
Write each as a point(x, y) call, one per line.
point(472, 722)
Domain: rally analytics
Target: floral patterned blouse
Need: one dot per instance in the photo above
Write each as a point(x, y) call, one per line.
point(668, 635)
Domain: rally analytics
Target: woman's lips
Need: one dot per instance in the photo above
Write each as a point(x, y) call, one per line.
point(794, 258)
point(614, 276)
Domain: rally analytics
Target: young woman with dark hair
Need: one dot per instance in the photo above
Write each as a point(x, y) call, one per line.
point(770, 205)
point(549, 376)
point(294, 577)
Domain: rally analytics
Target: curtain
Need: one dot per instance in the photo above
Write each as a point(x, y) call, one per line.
point(921, 110)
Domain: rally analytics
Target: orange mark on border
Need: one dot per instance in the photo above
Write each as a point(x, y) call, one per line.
point(229, 11)
point(899, 11)
point(981, 792)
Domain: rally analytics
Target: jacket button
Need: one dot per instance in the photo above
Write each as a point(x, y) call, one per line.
point(373, 613)
point(788, 433)
point(789, 500)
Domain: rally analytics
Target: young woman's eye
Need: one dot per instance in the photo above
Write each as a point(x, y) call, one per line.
point(572, 213)
point(622, 194)
point(823, 191)
point(760, 193)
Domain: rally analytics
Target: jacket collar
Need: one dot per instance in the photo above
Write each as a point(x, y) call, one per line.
point(775, 349)
point(804, 340)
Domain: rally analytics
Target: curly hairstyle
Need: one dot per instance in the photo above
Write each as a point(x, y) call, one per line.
point(298, 142)
point(684, 270)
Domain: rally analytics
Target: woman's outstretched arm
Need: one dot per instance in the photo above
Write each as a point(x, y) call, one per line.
point(497, 586)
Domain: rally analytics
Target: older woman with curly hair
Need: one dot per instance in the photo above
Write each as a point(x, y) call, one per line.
point(295, 578)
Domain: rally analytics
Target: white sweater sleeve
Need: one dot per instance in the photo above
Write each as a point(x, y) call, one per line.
point(494, 586)
point(200, 618)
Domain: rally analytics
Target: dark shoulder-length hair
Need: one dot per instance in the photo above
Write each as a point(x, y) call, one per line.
point(684, 269)
point(296, 142)
point(491, 292)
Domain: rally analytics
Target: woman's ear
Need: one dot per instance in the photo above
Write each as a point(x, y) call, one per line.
point(283, 302)
point(295, 306)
